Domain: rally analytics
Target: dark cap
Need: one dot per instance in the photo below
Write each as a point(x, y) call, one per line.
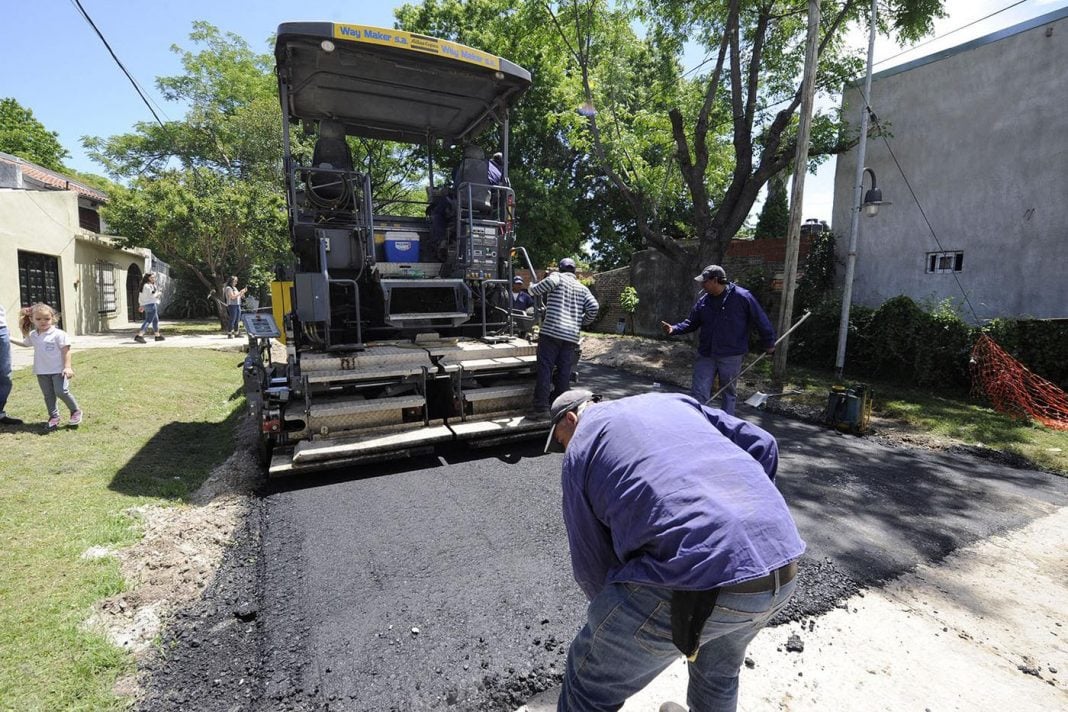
point(566, 265)
point(517, 280)
point(565, 403)
point(711, 272)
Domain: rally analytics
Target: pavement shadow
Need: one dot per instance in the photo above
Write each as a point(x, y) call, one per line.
point(177, 459)
point(878, 511)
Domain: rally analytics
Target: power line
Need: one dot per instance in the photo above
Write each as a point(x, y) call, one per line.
point(136, 86)
point(923, 213)
point(962, 27)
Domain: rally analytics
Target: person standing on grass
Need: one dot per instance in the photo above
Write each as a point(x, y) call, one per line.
point(149, 301)
point(724, 313)
point(679, 539)
point(51, 361)
point(5, 370)
point(233, 306)
point(569, 306)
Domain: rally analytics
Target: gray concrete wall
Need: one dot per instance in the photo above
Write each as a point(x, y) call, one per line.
point(981, 134)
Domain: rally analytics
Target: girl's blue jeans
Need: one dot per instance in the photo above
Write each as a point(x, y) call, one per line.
point(626, 642)
point(234, 312)
point(151, 318)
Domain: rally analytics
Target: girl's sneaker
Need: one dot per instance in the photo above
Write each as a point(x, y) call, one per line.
point(75, 419)
point(53, 423)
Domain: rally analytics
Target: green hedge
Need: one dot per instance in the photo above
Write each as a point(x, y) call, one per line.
point(928, 346)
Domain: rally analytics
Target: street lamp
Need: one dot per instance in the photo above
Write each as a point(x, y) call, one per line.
point(873, 198)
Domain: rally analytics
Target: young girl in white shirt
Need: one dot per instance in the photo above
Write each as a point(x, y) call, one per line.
point(51, 361)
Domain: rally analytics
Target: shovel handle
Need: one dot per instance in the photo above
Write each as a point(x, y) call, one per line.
point(757, 360)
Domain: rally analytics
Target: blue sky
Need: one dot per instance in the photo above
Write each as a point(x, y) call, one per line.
point(55, 65)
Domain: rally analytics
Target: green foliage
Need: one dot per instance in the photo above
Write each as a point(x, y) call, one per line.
point(543, 168)
point(729, 131)
point(205, 192)
point(899, 341)
point(24, 136)
point(774, 220)
point(817, 283)
point(628, 299)
point(210, 224)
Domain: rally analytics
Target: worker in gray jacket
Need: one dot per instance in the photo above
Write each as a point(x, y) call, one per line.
point(569, 306)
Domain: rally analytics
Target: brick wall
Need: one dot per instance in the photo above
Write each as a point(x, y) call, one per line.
point(665, 296)
point(607, 288)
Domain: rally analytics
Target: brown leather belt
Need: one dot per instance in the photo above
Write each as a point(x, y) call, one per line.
point(785, 575)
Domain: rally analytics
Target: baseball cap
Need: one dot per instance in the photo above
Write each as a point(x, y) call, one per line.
point(517, 280)
point(566, 263)
point(711, 272)
point(564, 404)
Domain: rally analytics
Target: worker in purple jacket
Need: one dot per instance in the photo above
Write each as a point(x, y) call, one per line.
point(678, 537)
point(725, 313)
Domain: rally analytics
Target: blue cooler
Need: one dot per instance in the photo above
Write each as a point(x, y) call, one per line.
point(402, 247)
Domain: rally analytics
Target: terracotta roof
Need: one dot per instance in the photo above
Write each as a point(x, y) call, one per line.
point(54, 180)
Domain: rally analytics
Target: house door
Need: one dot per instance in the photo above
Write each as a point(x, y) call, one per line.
point(133, 288)
point(39, 279)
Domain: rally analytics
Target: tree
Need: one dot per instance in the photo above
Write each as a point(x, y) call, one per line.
point(24, 136)
point(210, 224)
point(774, 218)
point(205, 192)
point(543, 166)
point(628, 302)
point(749, 98)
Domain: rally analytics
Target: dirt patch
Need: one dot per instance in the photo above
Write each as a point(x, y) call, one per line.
point(176, 558)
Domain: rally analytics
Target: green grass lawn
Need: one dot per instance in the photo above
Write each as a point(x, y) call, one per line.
point(190, 327)
point(156, 423)
point(958, 417)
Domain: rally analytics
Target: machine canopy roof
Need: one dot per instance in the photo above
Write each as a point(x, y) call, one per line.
point(392, 84)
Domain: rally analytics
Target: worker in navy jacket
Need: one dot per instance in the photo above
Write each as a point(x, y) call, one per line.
point(725, 314)
point(678, 537)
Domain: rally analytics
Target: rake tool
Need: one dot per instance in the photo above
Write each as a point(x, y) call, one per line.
point(758, 360)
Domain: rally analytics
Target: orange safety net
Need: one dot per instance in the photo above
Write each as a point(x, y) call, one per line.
point(1012, 388)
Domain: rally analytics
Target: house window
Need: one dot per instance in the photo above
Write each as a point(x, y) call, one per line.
point(89, 219)
point(105, 287)
point(943, 262)
point(39, 279)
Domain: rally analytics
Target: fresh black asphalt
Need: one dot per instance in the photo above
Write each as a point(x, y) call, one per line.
point(444, 582)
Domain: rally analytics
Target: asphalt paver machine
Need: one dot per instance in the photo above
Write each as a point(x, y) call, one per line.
point(398, 328)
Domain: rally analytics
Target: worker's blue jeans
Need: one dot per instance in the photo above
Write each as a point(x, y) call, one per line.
point(626, 642)
point(705, 369)
point(553, 355)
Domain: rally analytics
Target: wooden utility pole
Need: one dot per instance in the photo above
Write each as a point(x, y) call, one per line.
point(793, 234)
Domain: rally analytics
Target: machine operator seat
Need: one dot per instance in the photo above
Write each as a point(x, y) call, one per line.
point(474, 169)
point(332, 152)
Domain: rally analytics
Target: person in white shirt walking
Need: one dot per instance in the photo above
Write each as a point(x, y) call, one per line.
point(51, 361)
point(233, 306)
point(149, 301)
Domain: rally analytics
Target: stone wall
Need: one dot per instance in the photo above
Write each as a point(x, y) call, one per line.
point(666, 291)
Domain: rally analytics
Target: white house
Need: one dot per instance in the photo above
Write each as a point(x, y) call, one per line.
point(52, 251)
